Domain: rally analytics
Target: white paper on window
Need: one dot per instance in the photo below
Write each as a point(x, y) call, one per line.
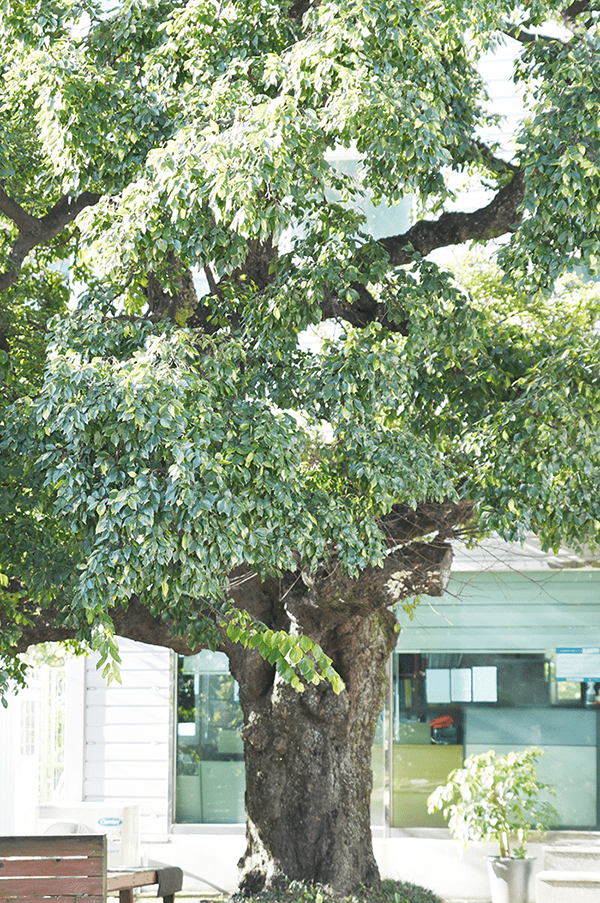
point(485, 684)
point(460, 684)
point(437, 685)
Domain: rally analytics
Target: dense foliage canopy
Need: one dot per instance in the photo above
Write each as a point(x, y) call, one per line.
point(209, 366)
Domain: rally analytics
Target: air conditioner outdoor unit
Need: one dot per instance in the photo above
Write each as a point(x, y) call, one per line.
point(120, 823)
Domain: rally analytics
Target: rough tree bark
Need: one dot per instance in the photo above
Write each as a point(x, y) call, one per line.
point(308, 761)
point(308, 755)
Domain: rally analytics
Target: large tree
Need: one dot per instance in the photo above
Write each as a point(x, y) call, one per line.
point(270, 464)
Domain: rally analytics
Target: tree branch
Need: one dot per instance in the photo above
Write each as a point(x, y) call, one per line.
point(22, 220)
point(298, 7)
point(570, 13)
point(33, 230)
point(497, 165)
point(496, 219)
point(134, 622)
point(529, 37)
point(569, 19)
point(412, 567)
point(366, 309)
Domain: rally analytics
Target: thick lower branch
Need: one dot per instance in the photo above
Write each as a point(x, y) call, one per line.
point(496, 219)
point(411, 568)
point(415, 568)
point(492, 221)
point(134, 622)
point(445, 519)
point(34, 231)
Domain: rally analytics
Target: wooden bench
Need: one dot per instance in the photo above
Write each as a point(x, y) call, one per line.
point(124, 881)
point(72, 868)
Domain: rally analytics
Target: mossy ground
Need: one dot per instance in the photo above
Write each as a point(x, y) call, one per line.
point(389, 892)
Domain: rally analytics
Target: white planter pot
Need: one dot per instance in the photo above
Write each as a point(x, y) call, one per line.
point(510, 879)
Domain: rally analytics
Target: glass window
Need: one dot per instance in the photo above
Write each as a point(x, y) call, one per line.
point(446, 706)
point(28, 727)
point(210, 777)
point(379, 767)
point(451, 705)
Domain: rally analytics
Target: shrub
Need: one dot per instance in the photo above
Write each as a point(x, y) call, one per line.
point(389, 892)
point(400, 892)
point(496, 797)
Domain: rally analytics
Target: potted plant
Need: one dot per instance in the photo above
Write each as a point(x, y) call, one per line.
point(497, 797)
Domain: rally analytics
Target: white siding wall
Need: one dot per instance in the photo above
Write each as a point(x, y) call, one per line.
point(19, 762)
point(128, 735)
point(7, 731)
point(506, 98)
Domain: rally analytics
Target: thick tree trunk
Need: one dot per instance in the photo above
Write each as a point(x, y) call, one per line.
point(308, 761)
point(308, 755)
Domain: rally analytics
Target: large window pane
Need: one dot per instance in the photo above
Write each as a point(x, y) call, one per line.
point(450, 705)
point(210, 777)
point(568, 737)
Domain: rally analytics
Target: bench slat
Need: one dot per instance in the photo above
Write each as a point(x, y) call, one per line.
point(122, 881)
point(52, 845)
point(18, 868)
point(36, 899)
point(71, 885)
